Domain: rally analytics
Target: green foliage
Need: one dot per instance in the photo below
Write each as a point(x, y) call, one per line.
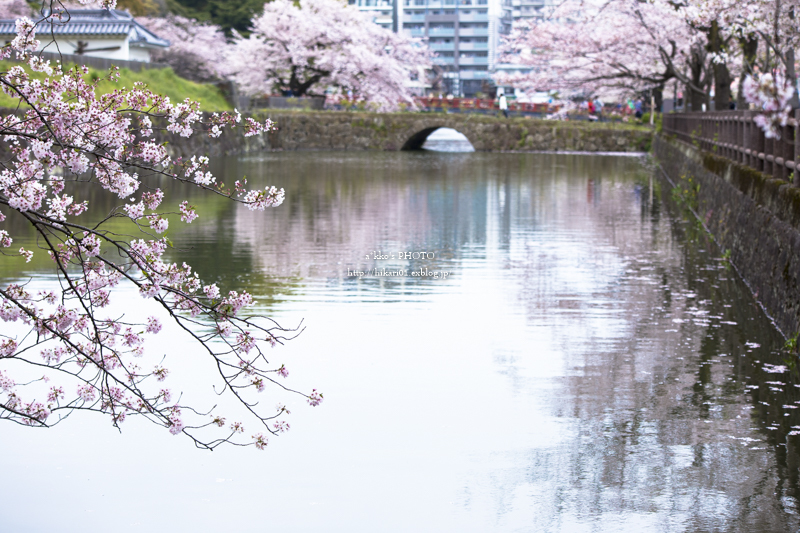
point(685, 193)
point(790, 349)
point(160, 81)
point(228, 14)
point(791, 344)
point(726, 255)
point(696, 133)
point(137, 7)
point(657, 120)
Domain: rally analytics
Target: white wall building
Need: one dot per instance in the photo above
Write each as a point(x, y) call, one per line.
point(107, 33)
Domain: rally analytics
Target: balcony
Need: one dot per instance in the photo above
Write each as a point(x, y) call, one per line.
point(473, 17)
point(472, 46)
point(473, 74)
point(374, 4)
point(442, 32)
point(442, 47)
point(413, 18)
point(444, 61)
point(473, 32)
point(414, 32)
point(469, 61)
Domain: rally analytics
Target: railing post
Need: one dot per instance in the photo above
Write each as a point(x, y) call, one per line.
point(786, 138)
point(726, 126)
point(739, 142)
point(743, 136)
point(758, 144)
point(796, 158)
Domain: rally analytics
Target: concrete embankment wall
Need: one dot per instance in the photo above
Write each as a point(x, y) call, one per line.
point(754, 216)
point(321, 130)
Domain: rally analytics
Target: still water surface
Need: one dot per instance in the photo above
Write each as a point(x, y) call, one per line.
point(582, 361)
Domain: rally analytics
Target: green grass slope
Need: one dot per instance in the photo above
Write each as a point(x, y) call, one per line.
point(161, 81)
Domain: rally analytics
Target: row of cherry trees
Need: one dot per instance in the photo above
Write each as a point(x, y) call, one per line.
point(631, 46)
point(305, 48)
point(80, 344)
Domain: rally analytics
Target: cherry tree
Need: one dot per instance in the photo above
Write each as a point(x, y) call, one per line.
point(11, 9)
point(66, 350)
point(614, 47)
point(306, 47)
point(197, 51)
point(768, 33)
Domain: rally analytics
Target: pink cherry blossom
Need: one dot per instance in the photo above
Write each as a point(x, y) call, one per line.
point(62, 132)
point(310, 46)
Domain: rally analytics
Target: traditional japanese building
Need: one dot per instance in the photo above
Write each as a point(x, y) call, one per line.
point(106, 33)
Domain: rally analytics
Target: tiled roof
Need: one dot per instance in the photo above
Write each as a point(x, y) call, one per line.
point(94, 23)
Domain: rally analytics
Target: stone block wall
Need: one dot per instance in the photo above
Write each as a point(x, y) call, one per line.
point(310, 130)
point(754, 216)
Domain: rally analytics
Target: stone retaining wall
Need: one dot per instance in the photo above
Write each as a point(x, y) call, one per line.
point(754, 216)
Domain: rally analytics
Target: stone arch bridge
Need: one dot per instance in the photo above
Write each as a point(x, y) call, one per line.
point(323, 130)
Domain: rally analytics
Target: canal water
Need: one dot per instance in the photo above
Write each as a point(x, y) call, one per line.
point(505, 342)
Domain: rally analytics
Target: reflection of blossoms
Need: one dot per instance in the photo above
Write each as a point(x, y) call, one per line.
point(771, 94)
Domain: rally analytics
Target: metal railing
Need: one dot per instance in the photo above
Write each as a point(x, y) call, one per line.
point(735, 135)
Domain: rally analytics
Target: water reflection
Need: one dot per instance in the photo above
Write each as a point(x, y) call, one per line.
point(589, 363)
point(447, 140)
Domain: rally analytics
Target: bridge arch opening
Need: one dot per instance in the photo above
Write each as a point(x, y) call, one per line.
point(439, 139)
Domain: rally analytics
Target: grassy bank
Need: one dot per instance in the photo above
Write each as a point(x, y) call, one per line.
point(160, 81)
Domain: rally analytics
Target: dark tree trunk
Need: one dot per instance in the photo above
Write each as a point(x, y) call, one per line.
point(791, 74)
point(749, 44)
point(658, 94)
point(694, 95)
point(722, 76)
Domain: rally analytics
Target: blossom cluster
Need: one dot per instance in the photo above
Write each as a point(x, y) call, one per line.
point(771, 94)
point(63, 141)
point(309, 46)
point(709, 50)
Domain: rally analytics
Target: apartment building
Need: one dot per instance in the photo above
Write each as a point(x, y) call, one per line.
point(463, 33)
point(382, 12)
point(529, 9)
